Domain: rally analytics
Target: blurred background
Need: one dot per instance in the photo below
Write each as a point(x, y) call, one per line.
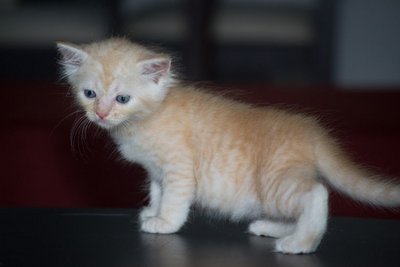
point(341, 42)
point(339, 59)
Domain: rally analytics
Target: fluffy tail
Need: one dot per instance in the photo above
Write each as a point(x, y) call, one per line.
point(354, 181)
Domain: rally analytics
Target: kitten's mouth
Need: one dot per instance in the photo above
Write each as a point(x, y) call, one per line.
point(104, 123)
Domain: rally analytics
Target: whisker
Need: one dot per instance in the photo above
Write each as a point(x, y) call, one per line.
point(84, 135)
point(77, 140)
point(63, 120)
point(98, 132)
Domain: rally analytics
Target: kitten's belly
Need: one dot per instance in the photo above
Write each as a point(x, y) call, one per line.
point(228, 194)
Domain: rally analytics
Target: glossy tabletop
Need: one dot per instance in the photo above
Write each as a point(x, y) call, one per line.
point(88, 237)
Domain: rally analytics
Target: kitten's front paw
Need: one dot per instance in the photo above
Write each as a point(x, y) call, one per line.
point(293, 245)
point(146, 213)
point(158, 225)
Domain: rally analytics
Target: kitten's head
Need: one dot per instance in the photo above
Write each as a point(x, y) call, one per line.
point(116, 81)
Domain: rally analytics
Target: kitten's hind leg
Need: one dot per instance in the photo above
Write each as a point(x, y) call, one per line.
point(271, 228)
point(311, 224)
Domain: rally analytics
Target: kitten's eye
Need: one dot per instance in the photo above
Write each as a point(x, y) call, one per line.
point(89, 93)
point(123, 99)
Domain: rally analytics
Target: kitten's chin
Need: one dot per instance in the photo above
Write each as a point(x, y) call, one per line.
point(105, 124)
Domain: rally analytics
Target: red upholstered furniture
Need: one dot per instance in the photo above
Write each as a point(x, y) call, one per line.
point(40, 168)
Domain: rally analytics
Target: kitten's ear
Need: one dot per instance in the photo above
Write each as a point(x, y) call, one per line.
point(156, 68)
point(72, 57)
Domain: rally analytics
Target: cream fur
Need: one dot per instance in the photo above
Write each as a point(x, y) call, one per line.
point(245, 162)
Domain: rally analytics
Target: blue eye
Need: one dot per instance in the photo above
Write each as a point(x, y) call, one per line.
point(123, 99)
point(89, 93)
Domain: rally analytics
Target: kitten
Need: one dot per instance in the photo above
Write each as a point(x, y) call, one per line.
point(255, 163)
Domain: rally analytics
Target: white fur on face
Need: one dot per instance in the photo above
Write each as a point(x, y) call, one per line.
point(110, 74)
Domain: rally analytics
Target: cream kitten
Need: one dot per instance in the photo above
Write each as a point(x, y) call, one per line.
point(246, 162)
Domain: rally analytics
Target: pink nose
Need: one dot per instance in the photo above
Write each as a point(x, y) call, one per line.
point(101, 115)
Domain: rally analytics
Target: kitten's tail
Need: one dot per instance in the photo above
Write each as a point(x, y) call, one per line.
point(356, 182)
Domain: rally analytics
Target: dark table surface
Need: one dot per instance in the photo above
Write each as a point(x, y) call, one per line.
point(67, 237)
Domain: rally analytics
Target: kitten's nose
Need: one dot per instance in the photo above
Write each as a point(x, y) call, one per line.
point(101, 115)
